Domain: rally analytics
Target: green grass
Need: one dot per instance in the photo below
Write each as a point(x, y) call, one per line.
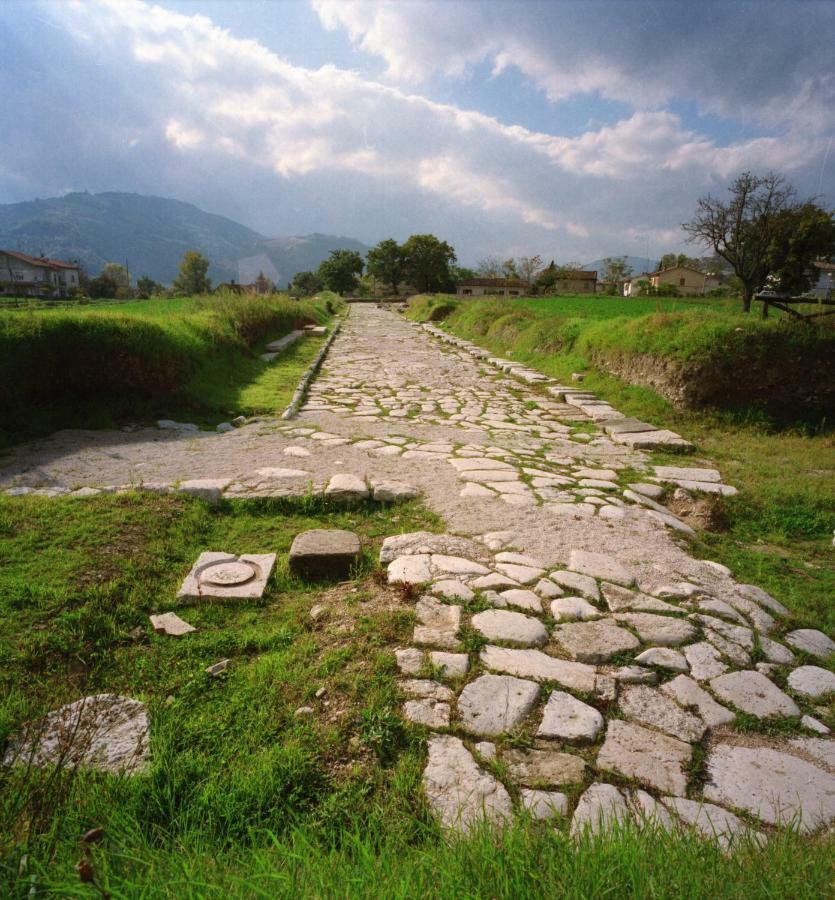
point(244, 799)
point(195, 357)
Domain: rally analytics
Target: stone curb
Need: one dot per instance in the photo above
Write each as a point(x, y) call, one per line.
point(301, 390)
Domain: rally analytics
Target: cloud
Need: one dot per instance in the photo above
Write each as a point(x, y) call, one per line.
point(770, 63)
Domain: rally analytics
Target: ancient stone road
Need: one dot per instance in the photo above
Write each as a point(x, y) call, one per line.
point(562, 607)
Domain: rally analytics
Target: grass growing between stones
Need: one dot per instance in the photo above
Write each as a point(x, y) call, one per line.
point(245, 798)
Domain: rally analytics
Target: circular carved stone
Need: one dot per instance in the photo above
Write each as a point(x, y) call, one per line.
point(228, 574)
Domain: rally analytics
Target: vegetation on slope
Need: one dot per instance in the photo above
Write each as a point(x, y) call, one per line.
point(156, 357)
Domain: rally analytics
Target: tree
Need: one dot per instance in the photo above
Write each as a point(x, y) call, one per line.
point(192, 278)
point(461, 273)
point(387, 262)
point(427, 262)
point(306, 283)
point(616, 269)
point(529, 267)
point(489, 267)
point(146, 286)
point(118, 273)
point(806, 233)
point(672, 260)
point(509, 269)
point(103, 286)
point(339, 271)
point(264, 285)
point(747, 230)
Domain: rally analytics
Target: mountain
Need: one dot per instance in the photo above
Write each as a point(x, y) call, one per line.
point(152, 234)
point(639, 264)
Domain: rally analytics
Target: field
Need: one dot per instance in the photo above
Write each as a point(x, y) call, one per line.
point(194, 358)
point(247, 798)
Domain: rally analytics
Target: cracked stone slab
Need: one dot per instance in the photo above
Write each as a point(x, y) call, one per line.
point(688, 693)
point(428, 712)
point(601, 808)
point(427, 543)
point(661, 630)
point(459, 792)
point(104, 732)
point(584, 585)
point(224, 575)
point(494, 704)
point(712, 822)
point(513, 627)
point(602, 566)
point(540, 666)
point(649, 706)
point(753, 693)
point(647, 756)
point(776, 787)
point(569, 719)
point(619, 599)
point(594, 642)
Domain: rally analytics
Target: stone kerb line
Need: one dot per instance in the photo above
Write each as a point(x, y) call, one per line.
point(301, 390)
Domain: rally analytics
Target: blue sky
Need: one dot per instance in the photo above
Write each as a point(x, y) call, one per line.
point(570, 129)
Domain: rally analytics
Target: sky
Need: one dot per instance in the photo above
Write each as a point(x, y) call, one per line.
point(573, 130)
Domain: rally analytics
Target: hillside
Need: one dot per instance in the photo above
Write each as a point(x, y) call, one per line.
point(152, 233)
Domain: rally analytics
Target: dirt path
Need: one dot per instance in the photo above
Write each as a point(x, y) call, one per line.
point(553, 534)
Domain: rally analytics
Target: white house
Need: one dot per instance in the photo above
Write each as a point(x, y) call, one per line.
point(36, 276)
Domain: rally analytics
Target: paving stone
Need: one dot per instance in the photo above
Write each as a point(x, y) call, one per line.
point(600, 809)
point(620, 598)
point(663, 657)
point(600, 565)
point(450, 665)
point(570, 609)
point(811, 641)
point(456, 565)
point(647, 756)
point(776, 653)
point(394, 491)
point(324, 553)
point(217, 668)
point(776, 787)
point(300, 452)
point(819, 749)
point(477, 491)
point(720, 608)
point(688, 693)
point(494, 581)
point(663, 630)
point(224, 575)
point(658, 439)
point(547, 589)
point(410, 570)
point(653, 491)
point(543, 767)
point(346, 488)
point(518, 559)
point(521, 574)
point(459, 792)
point(492, 476)
point(431, 713)
point(753, 693)
point(569, 719)
point(594, 642)
point(728, 649)
point(650, 813)
point(584, 585)
point(450, 587)
point(209, 489)
point(421, 543)
point(813, 724)
point(711, 821)
point(812, 681)
point(282, 474)
point(485, 749)
point(522, 599)
point(494, 704)
point(104, 731)
point(634, 675)
point(540, 667)
point(171, 624)
point(544, 805)
point(409, 660)
point(650, 707)
point(502, 625)
point(758, 595)
point(427, 689)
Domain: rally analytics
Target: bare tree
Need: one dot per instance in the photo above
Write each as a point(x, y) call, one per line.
point(742, 230)
point(489, 267)
point(529, 267)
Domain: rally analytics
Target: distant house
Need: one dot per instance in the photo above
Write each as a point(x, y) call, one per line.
point(495, 287)
point(686, 280)
point(233, 287)
point(569, 281)
point(36, 276)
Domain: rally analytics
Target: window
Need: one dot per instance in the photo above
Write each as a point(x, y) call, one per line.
point(681, 282)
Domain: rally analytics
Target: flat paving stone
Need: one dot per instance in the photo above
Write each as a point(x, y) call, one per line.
point(600, 809)
point(811, 641)
point(620, 598)
point(647, 756)
point(450, 665)
point(428, 712)
point(584, 585)
point(521, 574)
point(410, 570)
point(753, 693)
point(687, 693)
point(522, 599)
point(712, 822)
point(494, 704)
point(663, 657)
point(543, 805)
point(223, 575)
point(324, 553)
point(456, 590)
point(600, 565)
point(409, 660)
point(776, 787)
point(171, 624)
point(346, 488)
point(516, 628)
point(649, 706)
point(543, 767)
point(540, 667)
point(459, 792)
point(664, 631)
point(594, 642)
point(569, 719)
point(811, 681)
point(571, 609)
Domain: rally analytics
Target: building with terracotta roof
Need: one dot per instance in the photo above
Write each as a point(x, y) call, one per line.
point(494, 287)
point(685, 279)
point(22, 275)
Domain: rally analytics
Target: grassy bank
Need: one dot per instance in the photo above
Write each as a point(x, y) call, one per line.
point(245, 798)
point(195, 356)
point(778, 531)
